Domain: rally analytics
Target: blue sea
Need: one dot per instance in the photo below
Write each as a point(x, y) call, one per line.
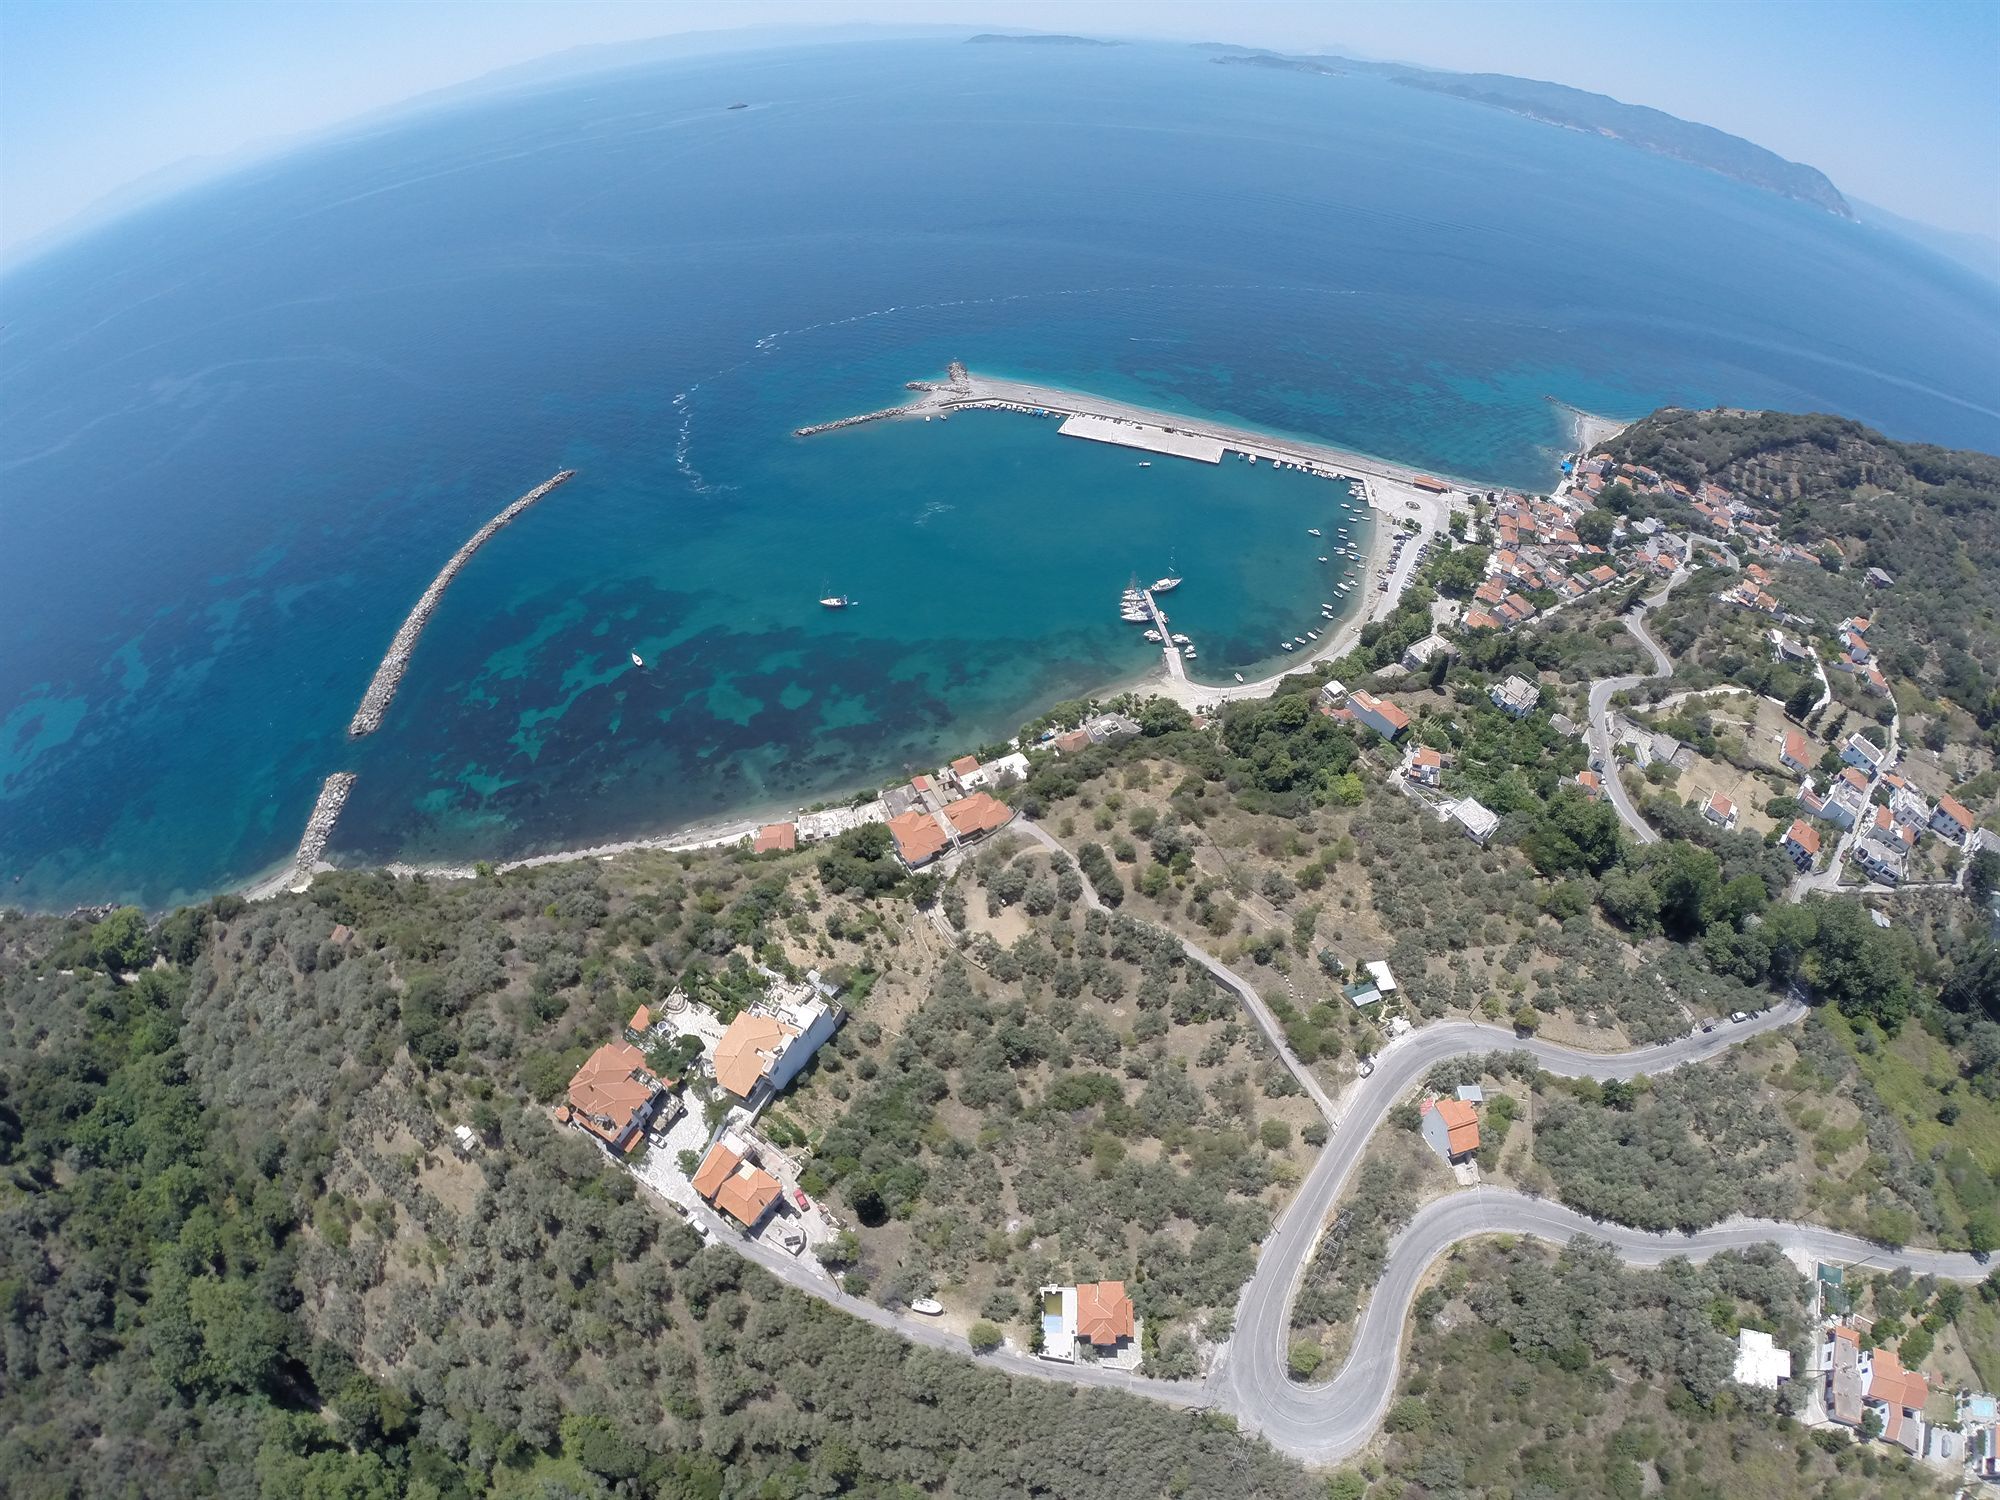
point(242, 430)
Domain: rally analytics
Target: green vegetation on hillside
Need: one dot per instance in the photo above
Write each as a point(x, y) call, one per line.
point(237, 1256)
point(1573, 1374)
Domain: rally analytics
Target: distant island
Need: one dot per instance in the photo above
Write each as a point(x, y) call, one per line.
point(1285, 64)
point(1044, 39)
point(1576, 109)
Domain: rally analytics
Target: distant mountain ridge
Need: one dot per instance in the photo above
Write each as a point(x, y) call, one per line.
point(1637, 125)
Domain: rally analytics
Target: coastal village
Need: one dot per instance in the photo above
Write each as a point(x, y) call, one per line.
point(691, 1094)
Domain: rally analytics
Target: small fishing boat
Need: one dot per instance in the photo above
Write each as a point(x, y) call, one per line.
point(1312, 531)
point(1153, 636)
point(1145, 463)
point(638, 660)
point(1312, 635)
point(1239, 676)
point(1286, 644)
point(1322, 559)
point(1188, 652)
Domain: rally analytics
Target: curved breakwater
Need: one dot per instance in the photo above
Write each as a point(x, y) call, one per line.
point(389, 676)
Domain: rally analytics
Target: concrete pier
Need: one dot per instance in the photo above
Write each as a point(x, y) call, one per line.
point(389, 676)
point(319, 827)
point(1176, 663)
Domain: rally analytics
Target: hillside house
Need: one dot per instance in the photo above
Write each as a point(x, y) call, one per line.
point(976, 816)
point(1796, 755)
point(1720, 811)
point(919, 837)
point(1420, 654)
point(1451, 1128)
point(1475, 820)
point(1802, 843)
point(1759, 1361)
point(1951, 820)
point(612, 1097)
point(730, 1179)
point(1423, 765)
point(1899, 1396)
point(766, 1046)
point(1863, 754)
point(1379, 714)
point(1516, 697)
point(775, 838)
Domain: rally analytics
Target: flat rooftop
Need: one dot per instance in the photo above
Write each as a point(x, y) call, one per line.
point(1143, 435)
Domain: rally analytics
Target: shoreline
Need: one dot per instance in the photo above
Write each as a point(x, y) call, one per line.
point(1392, 499)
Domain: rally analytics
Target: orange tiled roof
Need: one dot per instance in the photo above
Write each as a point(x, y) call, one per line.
point(1954, 809)
point(977, 814)
point(1896, 1385)
point(1103, 1312)
point(746, 1194)
point(642, 1019)
point(965, 765)
point(780, 836)
point(1381, 707)
point(1073, 741)
point(715, 1169)
point(1804, 835)
point(917, 836)
point(1795, 746)
point(607, 1088)
point(1424, 755)
point(743, 1054)
point(1461, 1123)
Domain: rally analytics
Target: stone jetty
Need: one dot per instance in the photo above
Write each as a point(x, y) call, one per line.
point(389, 676)
point(855, 421)
point(319, 827)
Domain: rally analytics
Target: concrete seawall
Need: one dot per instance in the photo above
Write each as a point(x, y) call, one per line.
point(389, 676)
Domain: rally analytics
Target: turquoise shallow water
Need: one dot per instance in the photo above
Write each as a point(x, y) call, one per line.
point(245, 428)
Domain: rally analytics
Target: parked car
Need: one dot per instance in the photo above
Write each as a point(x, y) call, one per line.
point(1739, 1015)
point(799, 1197)
point(1367, 1066)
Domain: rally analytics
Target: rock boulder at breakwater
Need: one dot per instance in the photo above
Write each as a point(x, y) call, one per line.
point(389, 676)
point(319, 827)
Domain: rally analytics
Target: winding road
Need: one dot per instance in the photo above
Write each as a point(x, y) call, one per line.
point(1598, 729)
point(1249, 1379)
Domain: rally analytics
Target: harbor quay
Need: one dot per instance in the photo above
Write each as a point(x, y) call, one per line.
point(389, 676)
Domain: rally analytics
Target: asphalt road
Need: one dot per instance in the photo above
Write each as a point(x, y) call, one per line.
point(1598, 727)
point(1250, 1379)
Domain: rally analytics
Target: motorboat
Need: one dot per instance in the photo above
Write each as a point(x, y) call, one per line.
point(1153, 636)
point(1322, 559)
point(930, 1307)
point(1188, 652)
point(836, 601)
point(1312, 531)
point(1165, 585)
point(1239, 676)
point(1181, 640)
point(1286, 644)
point(1145, 463)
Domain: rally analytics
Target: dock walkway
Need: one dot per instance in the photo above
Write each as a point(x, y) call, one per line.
point(1176, 664)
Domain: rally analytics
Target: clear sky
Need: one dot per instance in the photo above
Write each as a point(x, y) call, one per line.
point(1898, 101)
